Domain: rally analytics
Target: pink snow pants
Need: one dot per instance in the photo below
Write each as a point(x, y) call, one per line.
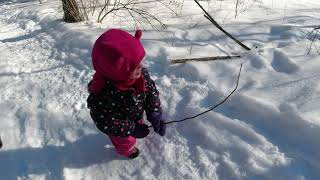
point(123, 145)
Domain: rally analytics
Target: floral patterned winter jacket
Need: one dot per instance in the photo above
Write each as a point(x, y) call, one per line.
point(115, 112)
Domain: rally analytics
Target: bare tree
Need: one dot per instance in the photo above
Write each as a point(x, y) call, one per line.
point(71, 11)
point(138, 14)
point(135, 12)
point(83, 11)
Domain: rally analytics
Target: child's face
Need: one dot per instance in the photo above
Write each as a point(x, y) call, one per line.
point(136, 73)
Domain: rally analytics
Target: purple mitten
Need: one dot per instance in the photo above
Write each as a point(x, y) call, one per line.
point(158, 123)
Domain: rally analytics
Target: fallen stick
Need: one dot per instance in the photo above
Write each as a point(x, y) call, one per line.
point(217, 105)
point(214, 58)
point(209, 17)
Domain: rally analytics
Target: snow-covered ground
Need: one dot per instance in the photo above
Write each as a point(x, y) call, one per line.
point(269, 129)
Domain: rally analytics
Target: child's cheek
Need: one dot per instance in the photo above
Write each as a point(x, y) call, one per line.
point(136, 74)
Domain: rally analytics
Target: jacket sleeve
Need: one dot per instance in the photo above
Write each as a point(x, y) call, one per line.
point(92, 104)
point(153, 103)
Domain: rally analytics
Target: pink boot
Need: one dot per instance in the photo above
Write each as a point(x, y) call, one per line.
point(125, 146)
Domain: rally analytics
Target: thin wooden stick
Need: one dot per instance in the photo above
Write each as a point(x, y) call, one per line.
point(209, 17)
point(214, 58)
point(313, 39)
point(217, 105)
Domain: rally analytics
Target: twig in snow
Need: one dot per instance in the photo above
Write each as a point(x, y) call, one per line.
point(313, 39)
point(236, 10)
point(209, 17)
point(190, 50)
point(214, 58)
point(220, 103)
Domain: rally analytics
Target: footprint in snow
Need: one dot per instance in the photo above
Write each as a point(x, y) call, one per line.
point(282, 63)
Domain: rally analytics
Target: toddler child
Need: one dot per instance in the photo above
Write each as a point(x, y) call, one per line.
point(121, 90)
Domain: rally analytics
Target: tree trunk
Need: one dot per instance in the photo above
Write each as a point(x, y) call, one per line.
point(71, 11)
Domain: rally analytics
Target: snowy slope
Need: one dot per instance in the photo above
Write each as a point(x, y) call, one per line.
point(269, 129)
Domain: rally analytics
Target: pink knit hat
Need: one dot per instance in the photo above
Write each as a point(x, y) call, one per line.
point(116, 54)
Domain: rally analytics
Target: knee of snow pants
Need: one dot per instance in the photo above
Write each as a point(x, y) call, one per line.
point(123, 145)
